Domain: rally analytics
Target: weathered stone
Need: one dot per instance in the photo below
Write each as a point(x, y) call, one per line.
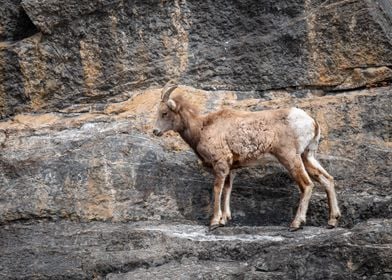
point(48, 14)
point(88, 193)
point(69, 250)
point(15, 24)
point(105, 165)
point(362, 77)
point(89, 50)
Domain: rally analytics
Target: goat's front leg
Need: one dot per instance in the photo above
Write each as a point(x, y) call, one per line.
point(218, 186)
point(221, 172)
point(228, 186)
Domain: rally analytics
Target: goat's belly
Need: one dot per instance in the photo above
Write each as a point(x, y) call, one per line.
point(264, 159)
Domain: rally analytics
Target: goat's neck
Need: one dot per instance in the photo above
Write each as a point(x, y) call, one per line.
point(192, 128)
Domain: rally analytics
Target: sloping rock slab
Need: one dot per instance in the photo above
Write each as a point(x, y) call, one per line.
point(151, 250)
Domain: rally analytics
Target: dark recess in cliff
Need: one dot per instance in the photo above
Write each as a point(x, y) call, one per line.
point(16, 23)
point(25, 27)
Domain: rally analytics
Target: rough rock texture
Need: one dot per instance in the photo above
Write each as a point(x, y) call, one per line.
point(83, 51)
point(114, 251)
point(87, 191)
point(105, 164)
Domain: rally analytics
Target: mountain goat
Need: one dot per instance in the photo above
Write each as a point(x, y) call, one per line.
point(229, 139)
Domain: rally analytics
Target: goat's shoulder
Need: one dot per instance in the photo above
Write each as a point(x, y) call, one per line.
point(223, 115)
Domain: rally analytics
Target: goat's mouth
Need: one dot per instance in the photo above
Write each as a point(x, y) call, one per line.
point(157, 132)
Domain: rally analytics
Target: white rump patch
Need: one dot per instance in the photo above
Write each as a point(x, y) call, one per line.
point(303, 126)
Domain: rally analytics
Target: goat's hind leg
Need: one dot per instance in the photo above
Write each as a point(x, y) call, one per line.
point(297, 170)
point(318, 173)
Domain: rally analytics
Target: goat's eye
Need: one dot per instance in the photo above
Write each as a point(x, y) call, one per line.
point(164, 114)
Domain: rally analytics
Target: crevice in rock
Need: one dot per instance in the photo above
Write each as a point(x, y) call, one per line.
point(328, 90)
point(319, 90)
point(373, 85)
point(367, 66)
point(102, 271)
point(31, 219)
point(25, 27)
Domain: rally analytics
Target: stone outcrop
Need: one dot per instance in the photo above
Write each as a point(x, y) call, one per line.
point(151, 250)
point(101, 163)
point(55, 54)
point(88, 192)
point(105, 164)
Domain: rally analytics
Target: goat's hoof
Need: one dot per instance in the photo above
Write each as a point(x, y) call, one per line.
point(223, 222)
point(292, 229)
point(294, 226)
point(332, 223)
point(214, 227)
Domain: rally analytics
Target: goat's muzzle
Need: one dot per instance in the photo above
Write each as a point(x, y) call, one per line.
point(157, 132)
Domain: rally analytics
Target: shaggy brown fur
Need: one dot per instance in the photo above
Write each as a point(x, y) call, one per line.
point(230, 139)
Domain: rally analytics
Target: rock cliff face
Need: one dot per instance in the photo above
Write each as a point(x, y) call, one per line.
point(88, 192)
point(57, 54)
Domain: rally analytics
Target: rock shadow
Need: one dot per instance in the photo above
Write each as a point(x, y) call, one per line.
point(173, 187)
point(176, 187)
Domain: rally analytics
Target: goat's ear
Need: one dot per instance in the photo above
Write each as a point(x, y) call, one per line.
point(171, 104)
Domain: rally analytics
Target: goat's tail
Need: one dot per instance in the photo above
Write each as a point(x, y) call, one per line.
point(309, 155)
point(313, 144)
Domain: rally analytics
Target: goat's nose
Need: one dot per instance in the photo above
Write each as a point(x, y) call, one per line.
point(156, 132)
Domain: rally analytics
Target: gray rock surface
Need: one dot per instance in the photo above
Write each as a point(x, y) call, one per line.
point(84, 51)
point(63, 171)
point(87, 192)
point(151, 250)
point(106, 165)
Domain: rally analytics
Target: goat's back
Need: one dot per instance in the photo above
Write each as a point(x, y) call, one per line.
point(250, 135)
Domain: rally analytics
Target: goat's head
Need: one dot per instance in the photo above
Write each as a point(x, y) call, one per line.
point(168, 117)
